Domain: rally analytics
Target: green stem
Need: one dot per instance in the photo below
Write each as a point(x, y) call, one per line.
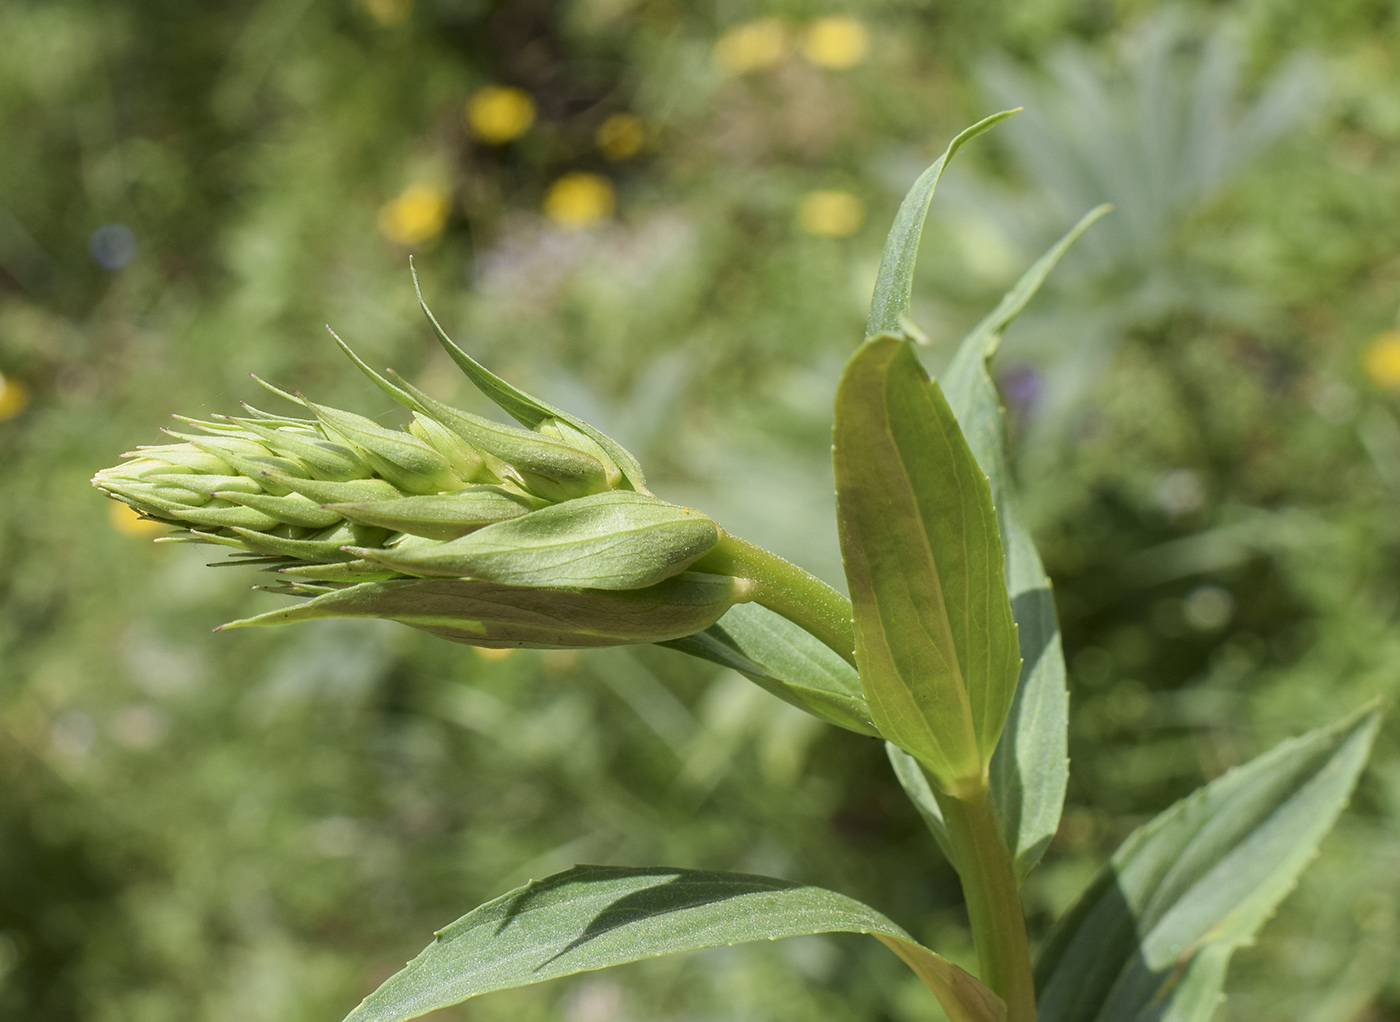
point(781, 586)
point(993, 902)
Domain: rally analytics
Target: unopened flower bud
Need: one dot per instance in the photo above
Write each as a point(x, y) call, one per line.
point(537, 534)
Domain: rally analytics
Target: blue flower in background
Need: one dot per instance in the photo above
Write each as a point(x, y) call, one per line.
point(112, 246)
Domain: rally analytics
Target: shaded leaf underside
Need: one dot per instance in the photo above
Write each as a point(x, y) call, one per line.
point(594, 917)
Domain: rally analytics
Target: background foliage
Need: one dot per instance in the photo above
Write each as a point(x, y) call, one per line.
point(666, 217)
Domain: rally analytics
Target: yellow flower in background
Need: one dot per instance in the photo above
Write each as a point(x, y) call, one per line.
point(752, 46)
point(499, 114)
point(621, 136)
point(1381, 360)
point(388, 12)
point(416, 216)
point(837, 42)
point(14, 398)
point(828, 213)
point(493, 654)
point(130, 523)
point(578, 199)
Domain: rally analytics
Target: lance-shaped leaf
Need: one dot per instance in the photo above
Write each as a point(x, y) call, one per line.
point(575, 437)
point(614, 540)
point(1031, 765)
point(226, 517)
point(894, 286)
point(201, 484)
point(935, 640)
point(182, 456)
point(785, 659)
point(595, 917)
point(1151, 937)
point(163, 498)
point(502, 616)
point(524, 409)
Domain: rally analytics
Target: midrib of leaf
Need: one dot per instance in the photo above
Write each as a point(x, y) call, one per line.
point(917, 583)
point(943, 623)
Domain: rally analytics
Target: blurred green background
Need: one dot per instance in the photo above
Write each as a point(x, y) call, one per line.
point(666, 216)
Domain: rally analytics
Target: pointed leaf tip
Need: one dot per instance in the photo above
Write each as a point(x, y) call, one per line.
point(397, 393)
point(526, 409)
point(895, 284)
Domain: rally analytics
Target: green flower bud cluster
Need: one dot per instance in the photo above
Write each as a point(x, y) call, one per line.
point(542, 534)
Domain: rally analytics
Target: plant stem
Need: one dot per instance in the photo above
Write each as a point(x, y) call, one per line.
point(993, 902)
point(782, 586)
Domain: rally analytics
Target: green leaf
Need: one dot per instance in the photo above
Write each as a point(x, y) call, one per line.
point(935, 639)
point(1151, 937)
point(1031, 765)
point(894, 286)
point(785, 659)
point(526, 410)
point(614, 540)
point(501, 616)
point(466, 460)
point(595, 917)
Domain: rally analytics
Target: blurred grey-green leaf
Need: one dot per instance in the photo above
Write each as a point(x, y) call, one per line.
point(1030, 768)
